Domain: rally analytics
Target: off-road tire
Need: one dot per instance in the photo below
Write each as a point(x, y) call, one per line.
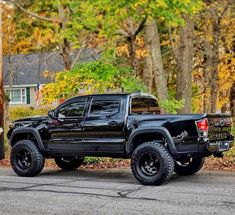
point(69, 164)
point(191, 168)
point(36, 158)
point(164, 161)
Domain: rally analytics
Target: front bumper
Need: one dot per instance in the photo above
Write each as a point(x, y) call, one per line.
point(219, 146)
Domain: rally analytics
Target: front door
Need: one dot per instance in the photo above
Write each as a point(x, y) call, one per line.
point(66, 130)
point(104, 125)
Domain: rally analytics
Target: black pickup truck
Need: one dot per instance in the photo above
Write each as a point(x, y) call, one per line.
point(119, 126)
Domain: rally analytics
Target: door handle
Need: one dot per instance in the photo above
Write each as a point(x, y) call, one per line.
point(113, 123)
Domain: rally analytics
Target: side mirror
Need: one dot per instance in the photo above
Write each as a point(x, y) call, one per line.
point(51, 114)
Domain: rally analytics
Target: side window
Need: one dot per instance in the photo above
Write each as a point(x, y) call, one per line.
point(153, 106)
point(76, 109)
point(144, 105)
point(139, 105)
point(104, 108)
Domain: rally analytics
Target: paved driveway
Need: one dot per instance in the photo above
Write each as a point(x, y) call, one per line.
point(115, 191)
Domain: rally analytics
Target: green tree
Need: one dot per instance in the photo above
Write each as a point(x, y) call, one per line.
point(93, 77)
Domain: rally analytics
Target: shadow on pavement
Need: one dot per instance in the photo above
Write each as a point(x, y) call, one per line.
point(122, 175)
point(114, 174)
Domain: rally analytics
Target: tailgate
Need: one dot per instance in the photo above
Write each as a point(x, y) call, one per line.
point(220, 126)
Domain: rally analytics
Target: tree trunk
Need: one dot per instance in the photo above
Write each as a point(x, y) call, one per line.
point(217, 16)
point(215, 62)
point(232, 100)
point(1, 92)
point(148, 73)
point(185, 64)
point(132, 51)
point(207, 76)
point(153, 42)
point(148, 69)
point(65, 53)
point(131, 46)
point(65, 46)
point(6, 114)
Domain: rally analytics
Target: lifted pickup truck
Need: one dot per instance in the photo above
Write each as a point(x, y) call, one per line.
point(119, 126)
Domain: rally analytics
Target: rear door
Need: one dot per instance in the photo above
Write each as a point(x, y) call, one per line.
point(104, 124)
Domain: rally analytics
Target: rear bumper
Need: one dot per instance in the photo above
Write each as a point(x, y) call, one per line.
point(219, 146)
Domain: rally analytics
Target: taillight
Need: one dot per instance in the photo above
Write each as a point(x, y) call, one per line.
point(203, 125)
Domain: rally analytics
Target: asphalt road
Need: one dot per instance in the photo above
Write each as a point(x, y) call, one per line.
point(115, 191)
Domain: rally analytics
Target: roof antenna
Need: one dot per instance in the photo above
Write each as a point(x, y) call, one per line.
point(138, 91)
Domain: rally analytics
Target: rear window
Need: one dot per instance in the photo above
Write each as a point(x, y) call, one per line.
point(144, 106)
point(104, 108)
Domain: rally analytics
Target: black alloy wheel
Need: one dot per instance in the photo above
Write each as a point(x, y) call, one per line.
point(69, 163)
point(26, 159)
point(152, 164)
point(188, 167)
point(23, 159)
point(149, 164)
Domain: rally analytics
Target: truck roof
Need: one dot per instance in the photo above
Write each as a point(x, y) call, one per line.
point(133, 95)
point(136, 94)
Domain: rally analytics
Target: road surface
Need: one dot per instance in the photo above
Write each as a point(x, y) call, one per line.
point(115, 191)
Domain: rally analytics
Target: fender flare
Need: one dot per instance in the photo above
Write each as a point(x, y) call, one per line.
point(32, 131)
point(161, 130)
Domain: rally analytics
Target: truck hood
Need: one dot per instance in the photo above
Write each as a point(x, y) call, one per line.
point(31, 119)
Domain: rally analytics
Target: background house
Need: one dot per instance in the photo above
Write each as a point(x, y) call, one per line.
point(22, 73)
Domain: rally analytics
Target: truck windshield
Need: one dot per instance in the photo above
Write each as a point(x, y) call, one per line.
point(144, 106)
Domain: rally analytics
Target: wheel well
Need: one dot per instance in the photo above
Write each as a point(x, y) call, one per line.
point(22, 136)
point(146, 137)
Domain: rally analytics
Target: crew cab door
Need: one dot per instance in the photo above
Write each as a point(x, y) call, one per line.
point(67, 127)
point(104, 125)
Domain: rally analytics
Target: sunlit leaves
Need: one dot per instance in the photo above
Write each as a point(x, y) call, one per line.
point(89, 78)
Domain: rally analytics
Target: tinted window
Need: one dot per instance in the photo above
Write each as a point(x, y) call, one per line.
point(76, 109)
point(104, 108)
point(139, 105)
point(144, 105)
point(153, 106)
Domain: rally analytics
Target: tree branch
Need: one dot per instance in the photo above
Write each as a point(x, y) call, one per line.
point(140, 27)
point(31, 13)
point(123, 33)
point(224, 11)
point(84, 45)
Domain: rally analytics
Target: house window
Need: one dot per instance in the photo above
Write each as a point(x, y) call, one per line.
point(17, 95)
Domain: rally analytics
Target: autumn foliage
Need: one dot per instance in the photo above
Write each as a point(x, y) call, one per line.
point(188, 61)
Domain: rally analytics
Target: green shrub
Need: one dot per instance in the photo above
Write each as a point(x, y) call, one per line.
point(231, 152)
point(23, 112)
point(92, 160)
point(172, 105)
